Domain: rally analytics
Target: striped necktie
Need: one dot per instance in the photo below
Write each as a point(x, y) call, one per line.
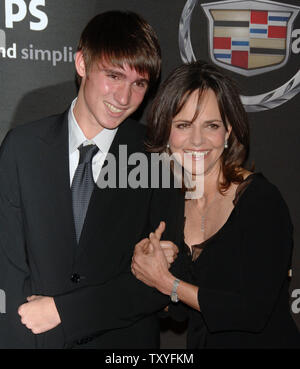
point(82, 186)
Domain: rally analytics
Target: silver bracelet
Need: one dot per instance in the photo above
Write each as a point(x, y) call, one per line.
point(174, 296)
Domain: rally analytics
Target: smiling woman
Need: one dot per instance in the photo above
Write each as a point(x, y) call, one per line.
point(202, 89)
point(200, 134)
point(233, 264)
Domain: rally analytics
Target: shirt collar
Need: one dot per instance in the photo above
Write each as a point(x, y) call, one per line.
point(103, 139)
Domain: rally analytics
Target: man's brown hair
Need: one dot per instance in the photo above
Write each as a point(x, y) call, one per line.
point(122, 37)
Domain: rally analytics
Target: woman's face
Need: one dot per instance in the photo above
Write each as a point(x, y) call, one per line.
point(200, 140)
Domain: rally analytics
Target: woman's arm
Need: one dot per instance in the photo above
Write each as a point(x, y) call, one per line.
point(150, 266)
point(265, 253)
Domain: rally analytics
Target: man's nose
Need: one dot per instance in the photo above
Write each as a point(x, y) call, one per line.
point(123, 94)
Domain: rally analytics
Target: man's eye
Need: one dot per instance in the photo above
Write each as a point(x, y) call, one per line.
point(112, 76)
point(141, 85)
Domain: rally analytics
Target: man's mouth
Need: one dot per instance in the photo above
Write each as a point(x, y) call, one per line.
point(113, 108)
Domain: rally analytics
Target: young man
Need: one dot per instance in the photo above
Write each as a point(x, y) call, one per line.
point(65, 243)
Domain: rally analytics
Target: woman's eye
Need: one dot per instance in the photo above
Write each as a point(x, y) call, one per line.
point(183, 125)
point(213, 126)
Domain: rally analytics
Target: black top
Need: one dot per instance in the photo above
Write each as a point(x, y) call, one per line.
point(242, 275)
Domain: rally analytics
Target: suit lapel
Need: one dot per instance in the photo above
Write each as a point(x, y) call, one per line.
point(109, 199)
point(58, 203)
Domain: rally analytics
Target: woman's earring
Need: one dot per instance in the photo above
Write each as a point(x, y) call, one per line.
point(226, 144)
point(168, 146)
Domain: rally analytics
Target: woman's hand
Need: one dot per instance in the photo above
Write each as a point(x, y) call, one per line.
point(149, 263)
point(170, 250)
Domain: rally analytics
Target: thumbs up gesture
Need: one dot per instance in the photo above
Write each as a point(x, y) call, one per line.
point(168, 247)
point(150, 260)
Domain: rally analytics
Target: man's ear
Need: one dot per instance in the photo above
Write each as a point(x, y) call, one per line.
point(80, 64)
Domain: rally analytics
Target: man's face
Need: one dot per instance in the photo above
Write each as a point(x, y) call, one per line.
point(107, 95)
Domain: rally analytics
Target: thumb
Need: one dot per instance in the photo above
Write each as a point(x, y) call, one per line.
point(160, 230)
point(154, 242)
point(150, 248)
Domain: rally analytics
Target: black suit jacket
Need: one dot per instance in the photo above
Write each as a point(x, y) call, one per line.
point(100, 302)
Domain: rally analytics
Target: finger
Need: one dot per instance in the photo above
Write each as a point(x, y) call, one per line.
point(170, 254)
point(160, 229)
point(154, 241)
point(169, 245)
point(141, 243)
point(148, 249)
point(170, 250)
point(140, 247)
point(171, 258)
point(167, 250)
point(20, 310)
point(37, 330)
point(30, 298)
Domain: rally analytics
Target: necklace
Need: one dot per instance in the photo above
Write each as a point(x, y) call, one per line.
point(203, 216)
point(202, 226)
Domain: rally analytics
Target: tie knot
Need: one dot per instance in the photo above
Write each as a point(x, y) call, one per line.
point(87, 153)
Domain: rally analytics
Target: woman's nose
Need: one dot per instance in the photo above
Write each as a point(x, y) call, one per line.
point(197, 136)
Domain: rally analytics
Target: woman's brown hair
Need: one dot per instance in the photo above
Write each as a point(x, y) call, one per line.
point(174, 93)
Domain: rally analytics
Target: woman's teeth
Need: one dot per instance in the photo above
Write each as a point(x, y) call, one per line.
point(197, 154)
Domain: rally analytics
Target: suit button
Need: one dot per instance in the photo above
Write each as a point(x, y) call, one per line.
point(83, 341)
point(75, 278)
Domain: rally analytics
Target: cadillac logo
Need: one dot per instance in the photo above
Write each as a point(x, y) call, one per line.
point(249, 38)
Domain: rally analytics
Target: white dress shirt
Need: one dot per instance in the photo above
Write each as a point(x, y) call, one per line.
point(103, 140)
